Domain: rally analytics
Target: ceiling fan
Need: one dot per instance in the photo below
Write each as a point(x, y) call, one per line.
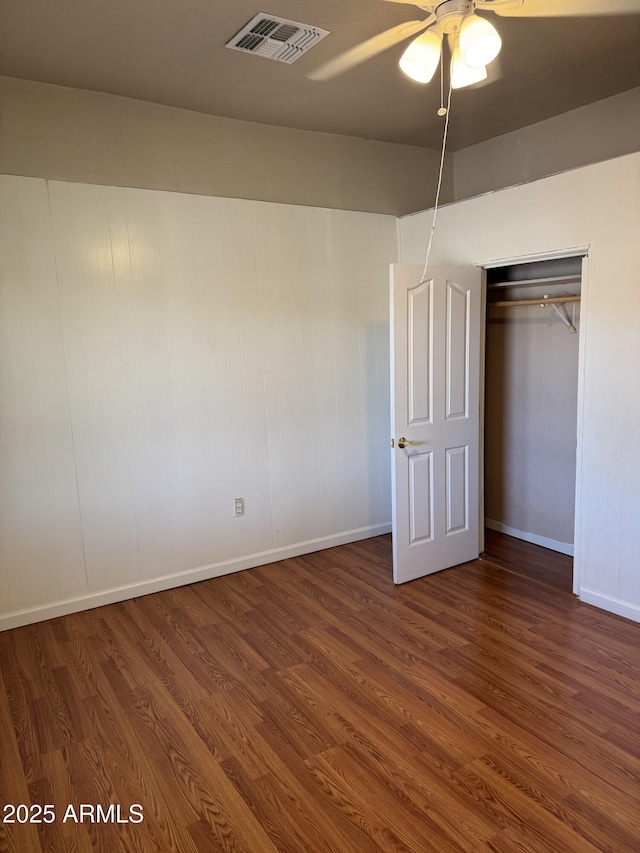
point(473, 40)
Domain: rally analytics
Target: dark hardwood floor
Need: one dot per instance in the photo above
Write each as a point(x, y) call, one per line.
point(310, 705)
point(531, 561)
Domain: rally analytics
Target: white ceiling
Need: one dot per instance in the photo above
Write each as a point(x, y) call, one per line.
point(172, 52)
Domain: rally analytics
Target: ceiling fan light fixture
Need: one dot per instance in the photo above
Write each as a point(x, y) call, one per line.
point(421, 58)
point(463, 74)
point(480, 42)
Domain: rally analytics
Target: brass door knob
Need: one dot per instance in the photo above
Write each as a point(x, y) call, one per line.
point(402, 442)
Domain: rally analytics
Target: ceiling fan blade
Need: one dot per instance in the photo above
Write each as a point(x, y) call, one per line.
point(559, 8)
point(350, 58)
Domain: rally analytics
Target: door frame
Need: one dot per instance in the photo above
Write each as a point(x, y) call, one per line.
point(573, 251)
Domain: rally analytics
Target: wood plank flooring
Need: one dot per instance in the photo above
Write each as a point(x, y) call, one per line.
point(310, 705)
point(532, 561)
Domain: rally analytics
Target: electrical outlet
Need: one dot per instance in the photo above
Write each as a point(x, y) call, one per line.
point(238, 506)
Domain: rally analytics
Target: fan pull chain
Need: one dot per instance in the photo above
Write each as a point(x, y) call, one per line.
point(447, 111)
point(443, 110)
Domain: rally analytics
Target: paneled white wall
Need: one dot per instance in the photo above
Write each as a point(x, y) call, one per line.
point(597, 208)
point(162, 354)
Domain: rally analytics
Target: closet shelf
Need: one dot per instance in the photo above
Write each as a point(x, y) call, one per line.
point(559, 279)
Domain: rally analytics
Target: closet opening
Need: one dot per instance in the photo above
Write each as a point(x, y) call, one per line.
point(530, 419)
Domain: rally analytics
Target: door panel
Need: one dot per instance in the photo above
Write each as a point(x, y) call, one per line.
point(457, 489)
point(435, 361)
point(457, 376)
point(419, 304)
point(421, 496)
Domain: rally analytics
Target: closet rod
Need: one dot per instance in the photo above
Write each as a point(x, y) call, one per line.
point(543, 300)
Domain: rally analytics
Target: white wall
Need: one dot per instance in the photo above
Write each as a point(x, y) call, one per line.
point(162, 354)
point(596, 207)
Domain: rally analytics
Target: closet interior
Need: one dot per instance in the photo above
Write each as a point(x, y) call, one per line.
point(530, 433)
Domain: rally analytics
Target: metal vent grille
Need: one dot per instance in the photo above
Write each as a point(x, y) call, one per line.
point(276, 38)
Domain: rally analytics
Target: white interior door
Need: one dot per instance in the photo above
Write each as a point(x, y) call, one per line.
point(435, 397)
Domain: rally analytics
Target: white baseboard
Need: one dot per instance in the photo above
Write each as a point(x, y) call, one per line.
point(552, 544)
point(110, 596)
point(610, 603)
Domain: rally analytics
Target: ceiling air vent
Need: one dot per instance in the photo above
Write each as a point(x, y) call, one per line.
point(276, 38)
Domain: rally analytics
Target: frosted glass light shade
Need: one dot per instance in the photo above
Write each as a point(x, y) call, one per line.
point(421, 58)
point(479, 41)
point(462, 74)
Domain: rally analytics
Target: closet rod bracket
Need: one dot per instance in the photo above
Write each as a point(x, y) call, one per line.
point(572, 329)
